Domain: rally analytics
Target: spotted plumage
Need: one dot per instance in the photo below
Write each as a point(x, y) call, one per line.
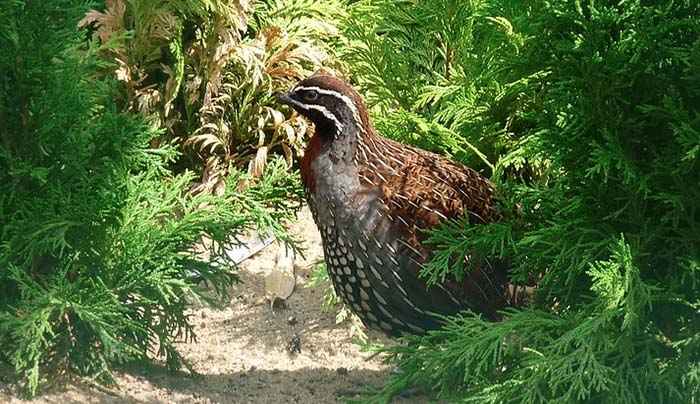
point(372, 198)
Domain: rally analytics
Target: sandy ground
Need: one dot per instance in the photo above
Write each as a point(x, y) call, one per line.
point(241, 353)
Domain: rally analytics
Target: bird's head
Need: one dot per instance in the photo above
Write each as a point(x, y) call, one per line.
point(335, 108)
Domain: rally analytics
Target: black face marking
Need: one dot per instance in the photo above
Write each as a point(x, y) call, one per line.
point(324, 103)
point(309, 95)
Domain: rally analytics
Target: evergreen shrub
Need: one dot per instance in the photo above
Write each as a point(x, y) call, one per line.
point(589, 112)
point(100, 252)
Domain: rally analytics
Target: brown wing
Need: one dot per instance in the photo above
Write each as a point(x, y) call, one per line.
point(431, 189)
point(420, 190)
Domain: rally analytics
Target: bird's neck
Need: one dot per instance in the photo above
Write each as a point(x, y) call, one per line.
point(313, 149)
point(330, 154)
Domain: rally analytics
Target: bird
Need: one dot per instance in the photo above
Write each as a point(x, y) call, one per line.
point(373, 199)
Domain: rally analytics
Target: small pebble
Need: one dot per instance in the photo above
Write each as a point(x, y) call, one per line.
point(294, 345)
point(292, 320)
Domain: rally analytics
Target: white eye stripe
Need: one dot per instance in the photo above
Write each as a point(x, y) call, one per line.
point(345, 99)
point(328, 114)
point(323, 110)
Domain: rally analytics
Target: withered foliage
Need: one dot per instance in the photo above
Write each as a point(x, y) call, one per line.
point(205, 71)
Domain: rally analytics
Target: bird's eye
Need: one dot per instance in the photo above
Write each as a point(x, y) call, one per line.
point(310, 95)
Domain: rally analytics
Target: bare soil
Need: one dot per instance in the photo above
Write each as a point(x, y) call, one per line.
point(241, 354)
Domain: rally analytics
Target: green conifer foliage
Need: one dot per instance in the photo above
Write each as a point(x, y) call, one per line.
point(98, 256)
point(430, 71)
point(590, 114)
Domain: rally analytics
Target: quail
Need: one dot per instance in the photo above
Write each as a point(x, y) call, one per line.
point(373, 199)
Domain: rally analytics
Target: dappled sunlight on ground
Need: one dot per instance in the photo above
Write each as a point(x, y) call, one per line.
point(241, 354)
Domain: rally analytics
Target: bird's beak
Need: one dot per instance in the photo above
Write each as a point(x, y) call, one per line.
point(284, 98)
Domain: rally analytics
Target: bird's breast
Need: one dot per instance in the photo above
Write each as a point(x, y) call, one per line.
point(312, 152)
